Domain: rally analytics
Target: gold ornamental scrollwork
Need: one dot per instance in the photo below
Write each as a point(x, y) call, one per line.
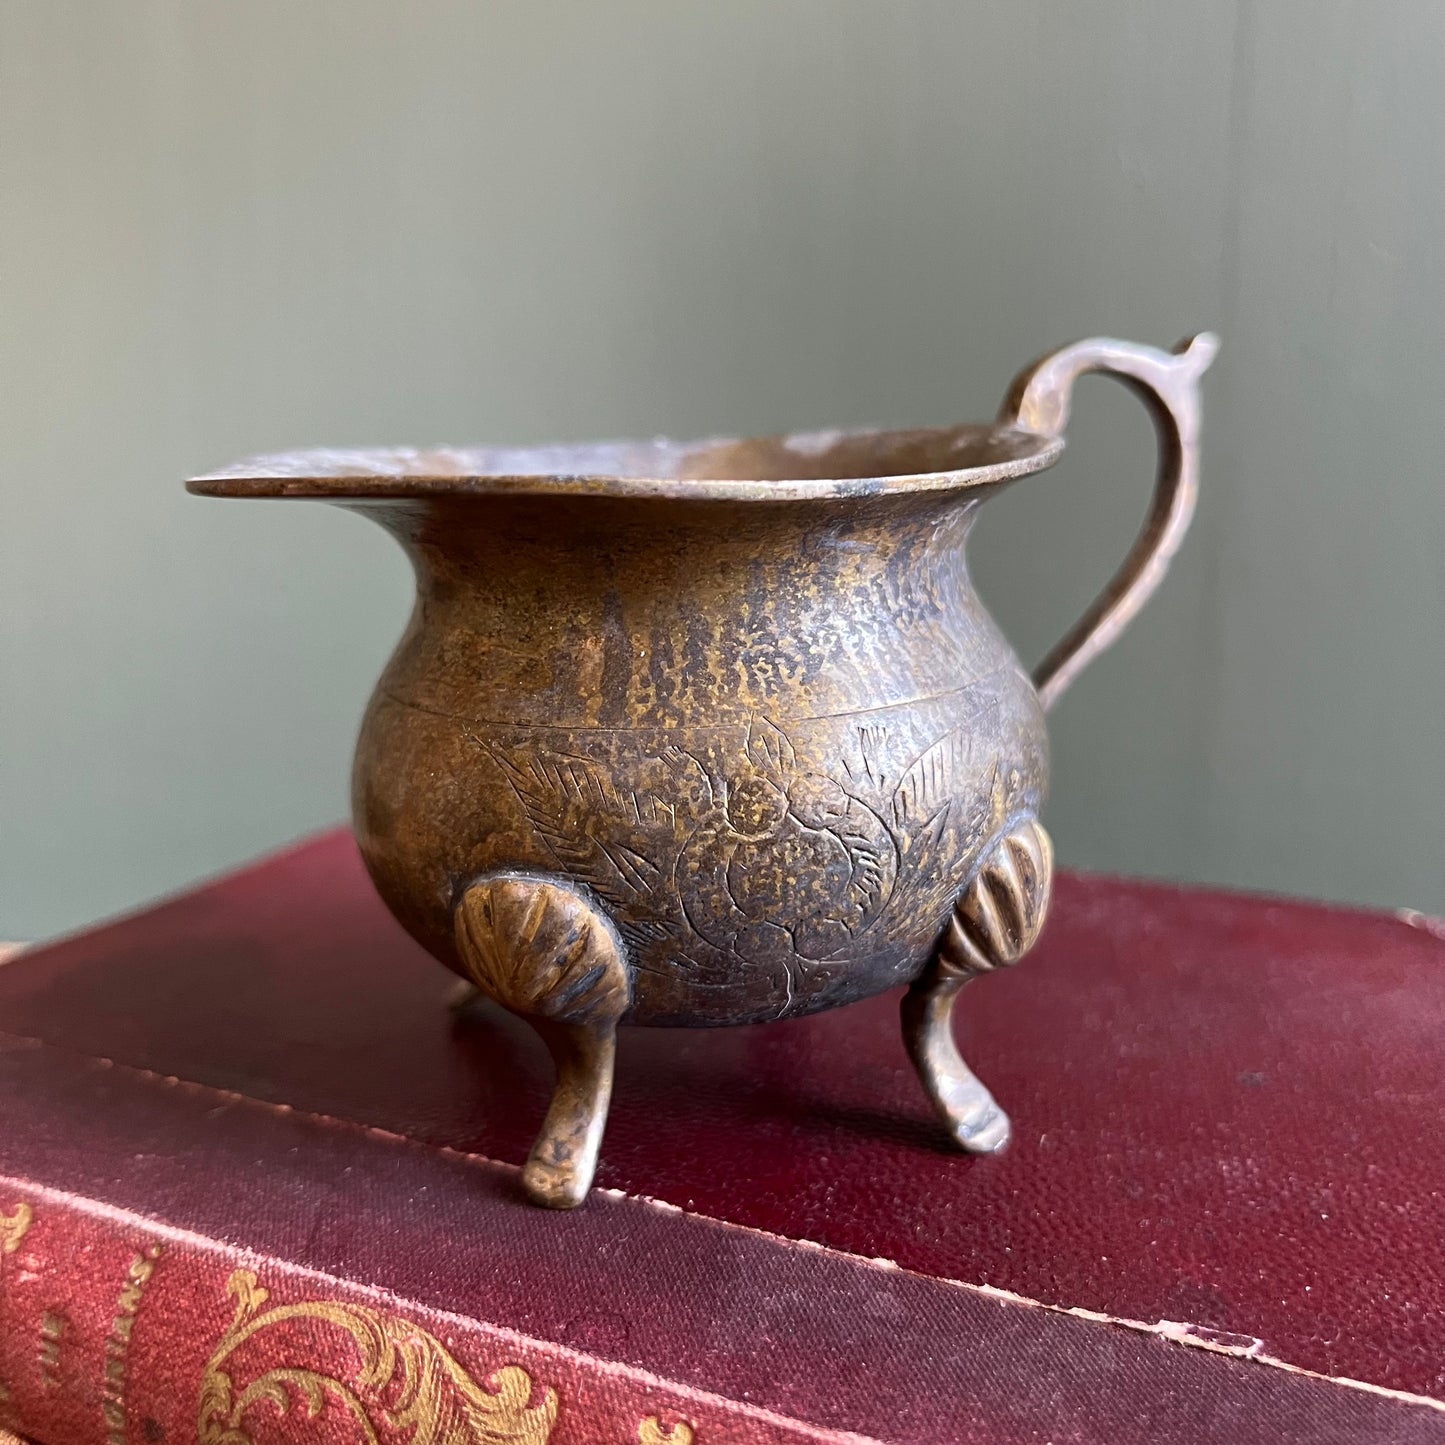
point(13, 1227)
point(653, 1432)
point(405, 1380)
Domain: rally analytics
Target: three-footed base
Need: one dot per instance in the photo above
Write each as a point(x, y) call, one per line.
point(545, 950)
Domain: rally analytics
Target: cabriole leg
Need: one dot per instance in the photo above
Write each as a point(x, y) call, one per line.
point(963, 1102)
point(559, 1169)
point(543, 949)
point(995, 922)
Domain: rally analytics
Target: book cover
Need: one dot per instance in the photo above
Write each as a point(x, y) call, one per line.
point(258, 1183)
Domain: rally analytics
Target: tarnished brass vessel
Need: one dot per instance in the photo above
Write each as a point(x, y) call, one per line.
point(720, 732)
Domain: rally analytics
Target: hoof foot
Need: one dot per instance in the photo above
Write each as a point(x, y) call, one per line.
point(984, 1133)
point(555, 1186)
point(463, 993)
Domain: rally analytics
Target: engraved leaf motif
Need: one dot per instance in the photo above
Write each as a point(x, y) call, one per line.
point(769, 750)
point(927, 784)
point(872, 742)
point(558, 795)
point(926, 872)
point(874, 869)
point(622, 842)
point(574, 811)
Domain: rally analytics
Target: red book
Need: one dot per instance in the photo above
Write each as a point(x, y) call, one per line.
point(258, 1184)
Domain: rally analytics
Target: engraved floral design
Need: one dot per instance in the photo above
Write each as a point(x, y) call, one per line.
point(785, 852)
point(733, 849)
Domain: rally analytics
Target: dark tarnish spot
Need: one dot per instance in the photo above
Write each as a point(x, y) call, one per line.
point(616, 663)
point(698, 644)
point(664, 675)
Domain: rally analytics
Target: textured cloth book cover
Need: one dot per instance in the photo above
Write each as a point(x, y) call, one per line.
point(258, 1184)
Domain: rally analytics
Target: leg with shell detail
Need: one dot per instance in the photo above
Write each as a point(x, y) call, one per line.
point(995, 921)
point(542, 948)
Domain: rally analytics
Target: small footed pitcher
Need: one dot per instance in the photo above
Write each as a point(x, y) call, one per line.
point(719, 732)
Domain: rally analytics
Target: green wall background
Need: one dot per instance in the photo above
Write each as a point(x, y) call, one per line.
point(233, 228)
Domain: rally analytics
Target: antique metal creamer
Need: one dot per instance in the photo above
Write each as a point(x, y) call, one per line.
point(719, 733)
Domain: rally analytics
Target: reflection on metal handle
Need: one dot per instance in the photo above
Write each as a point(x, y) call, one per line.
point(1168, 384)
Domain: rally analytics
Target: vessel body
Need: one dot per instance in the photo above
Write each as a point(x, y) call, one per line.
point(770, 738)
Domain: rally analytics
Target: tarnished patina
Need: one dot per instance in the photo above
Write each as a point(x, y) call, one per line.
point(720, 733)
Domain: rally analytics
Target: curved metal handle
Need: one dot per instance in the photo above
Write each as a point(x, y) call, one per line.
point(1168, 384)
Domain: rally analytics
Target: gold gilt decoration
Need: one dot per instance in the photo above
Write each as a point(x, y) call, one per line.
point(12, 1230)
point(405, 1381)
point(653, 1432)
point(13, 1227)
